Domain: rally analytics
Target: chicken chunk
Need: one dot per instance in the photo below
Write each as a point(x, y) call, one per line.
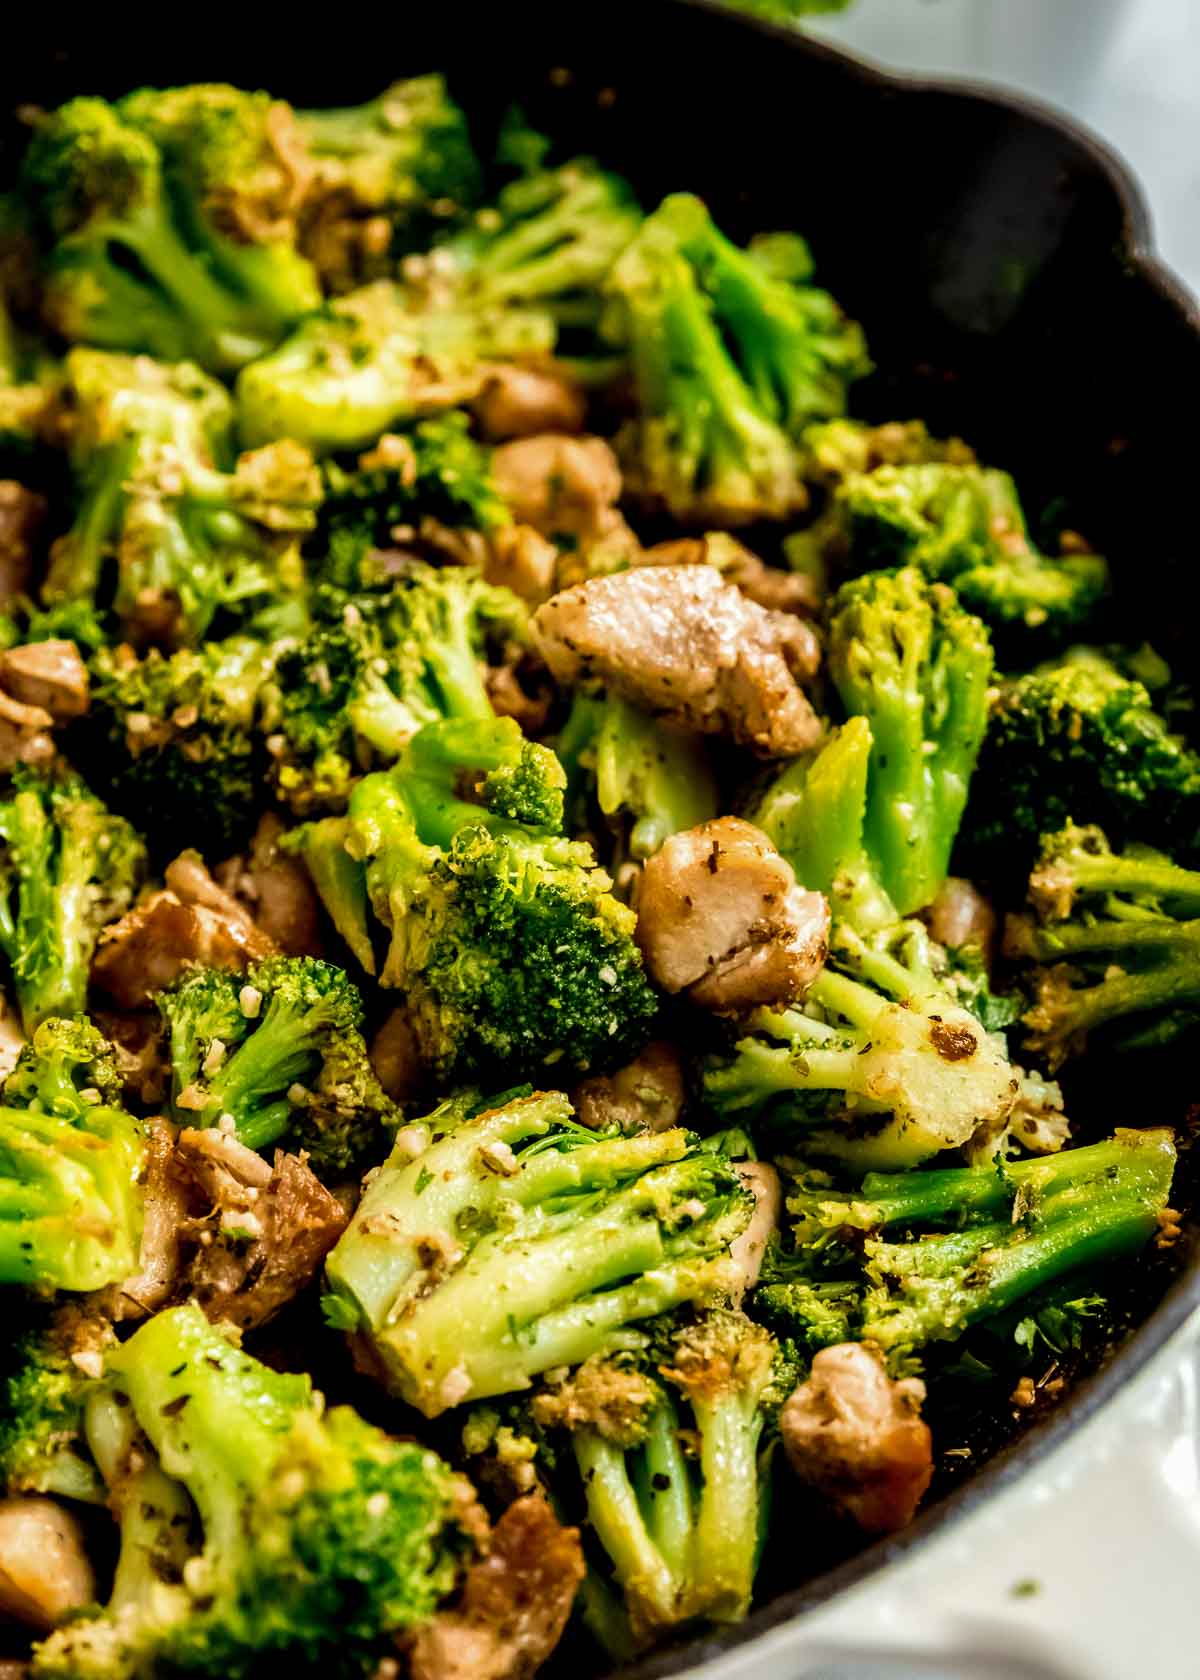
point(49, 675)
point(644, 1096)
point(514, 1602)
point(394, 1056)
point(24, 733)
point(518, 402)
point(44, 1568)
point(567, 488)
point(747, 1251)
point(961, 915)
point(683, 643)
point(519, 558)
point(856, 1435)
point(22, 514)
point(287, 1214)
point(275, 889)
point(191, 921)
point(720, 916)
point(769, 586)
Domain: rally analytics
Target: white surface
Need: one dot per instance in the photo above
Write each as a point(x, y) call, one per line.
point(1128, 68)
point(1107, 1528)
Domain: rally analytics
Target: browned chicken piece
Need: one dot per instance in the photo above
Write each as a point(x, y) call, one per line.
point(961, 915)
point(519, 558)
point(191, 921)
point(394, 1056)
point(856, 1435)
point(567, 488)
point(276, 890)
point(509, 696)
point(50, 675)
point(518, 402)
point(287, 1214)
point(720, 916)
point(514, 1603)
point(685, 644)
point(747, 1251)
point(25, 736)
point(137, 1040)
point(22, 514)
point(644, 1096)
point(44, 1568)
point(770, 586)
point(168, 1203)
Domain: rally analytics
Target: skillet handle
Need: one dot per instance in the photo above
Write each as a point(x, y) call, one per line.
point(1087, 1567)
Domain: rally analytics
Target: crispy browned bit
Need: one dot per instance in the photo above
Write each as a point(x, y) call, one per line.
point(720, 915)
point(276, 890)
point(644, 1096)
point(1170, 1228)
point(192, 921)
point(514, 1603)
point(856, 1435)
point(602, 1394)
point(769, 586)
point(44, 1568)
point(1024, 1394)
point(953, 1044)
point(49, 675)
point(518, 402)
point(266, 1232)
point(683, 643)
point(747, 1251)
point(22, 515)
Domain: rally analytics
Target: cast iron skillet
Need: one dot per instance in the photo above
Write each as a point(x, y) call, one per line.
point(999, 256)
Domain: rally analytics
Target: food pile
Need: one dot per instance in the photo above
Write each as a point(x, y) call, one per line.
point(552, 890)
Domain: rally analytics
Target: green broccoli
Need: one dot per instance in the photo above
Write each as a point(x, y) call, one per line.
point(321, 1538)
point(173, 743)
point(964, 1243)
point(648, 780)
point(517, 1241)
point(168, 223)
point(172, 534)
point(376, 668)
point(731, 354)
point(883, 1066)
point(68, 867)
point(681, 1529)
point(44, 1388)
point(1077, 741)
point(388, 175)
point(510, 951)
point(1116, 936)
point(906, 657)
point(277, 1051)
point(963, 525)
point(71, 1162)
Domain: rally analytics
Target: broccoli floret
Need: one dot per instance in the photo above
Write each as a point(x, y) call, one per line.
point(648, 780)
point(173, 741)
point(71, 1162)
point(504, 938)
point(732, 353)
point(1077, 741)
point(964, 1243)
point(388, 175)
point(517, 1241)
point(279, 1050)
point(906, 657)
point(44, 1388)
point(68, 867)
point(168, 223)
point(681, 1530)
point(171, 533)
point(378, 668)
point(963, 524)
point(883, 1066)
point(321, 1537)
point(1117, 938)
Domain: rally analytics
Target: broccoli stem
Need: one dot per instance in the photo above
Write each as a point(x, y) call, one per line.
point(1145, 875)
point(614, 1511)
point(726, 1534)
point(664, 1488)
point(339, 880)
